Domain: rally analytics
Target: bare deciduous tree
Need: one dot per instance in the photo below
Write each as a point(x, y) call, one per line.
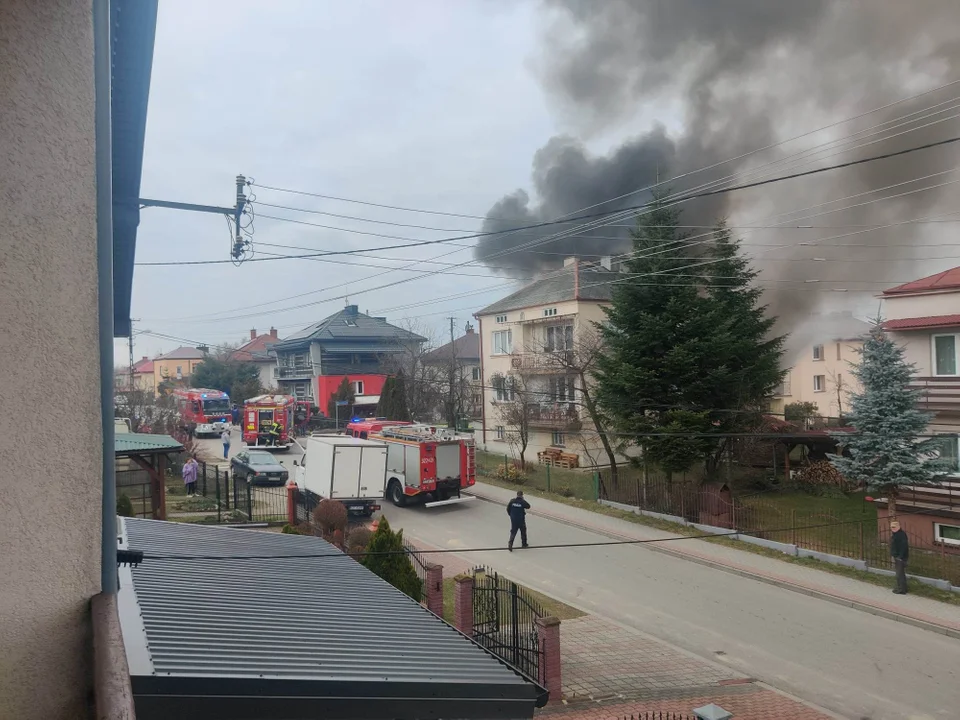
point(514, 406)
point(575, 354)
point(423, 382)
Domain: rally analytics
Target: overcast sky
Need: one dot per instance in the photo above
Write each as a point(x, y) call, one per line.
point(427, 104)
point(450, 105)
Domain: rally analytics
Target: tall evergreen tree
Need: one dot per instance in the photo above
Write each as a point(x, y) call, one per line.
point(689, 350)
point(886, 451)
point(401, 410)
point(343, 392)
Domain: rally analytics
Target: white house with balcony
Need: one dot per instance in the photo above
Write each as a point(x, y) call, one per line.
point(924, 315)
point(532, 338)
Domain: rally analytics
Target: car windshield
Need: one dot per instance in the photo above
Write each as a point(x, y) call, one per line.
point(214, 406)
point(261, 459)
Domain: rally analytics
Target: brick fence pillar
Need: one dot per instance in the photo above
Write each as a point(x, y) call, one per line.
point(463, 604)
point(548, 633)
point(433, 589)
point(291, 503)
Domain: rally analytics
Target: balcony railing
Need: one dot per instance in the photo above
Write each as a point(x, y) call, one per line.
point(939, 393)
point(553, 415)
point(546, 361)
point(282, 372)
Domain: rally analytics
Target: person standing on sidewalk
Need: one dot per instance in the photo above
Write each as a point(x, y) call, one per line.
point(517, 510)
point(225, 439)
point(190, 476)
point(900, 552)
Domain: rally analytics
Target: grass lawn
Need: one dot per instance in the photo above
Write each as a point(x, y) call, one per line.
point(551, 606)
point(565, 483)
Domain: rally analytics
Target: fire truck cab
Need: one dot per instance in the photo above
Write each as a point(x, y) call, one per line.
point(422, 460)
point(203, 411)
point(259, 415)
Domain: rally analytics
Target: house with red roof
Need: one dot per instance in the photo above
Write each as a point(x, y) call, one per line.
point(258, 351)
point(924, 315)
point(143, 378)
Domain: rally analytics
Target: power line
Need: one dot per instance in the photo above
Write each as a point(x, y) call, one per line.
point(685, 198)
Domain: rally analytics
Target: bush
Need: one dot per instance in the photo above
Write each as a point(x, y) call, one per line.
point(291, 530)
point(511, 474)
point(358, 539)
point(124, 506)
point(564, 490)
point(330, 517)
point(389, 560)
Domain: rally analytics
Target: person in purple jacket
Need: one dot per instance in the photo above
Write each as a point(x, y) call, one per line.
point(190, 476)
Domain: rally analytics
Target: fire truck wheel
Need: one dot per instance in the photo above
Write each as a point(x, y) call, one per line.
point(396, 493)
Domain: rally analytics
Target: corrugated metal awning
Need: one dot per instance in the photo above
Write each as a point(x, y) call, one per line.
point(286, 626)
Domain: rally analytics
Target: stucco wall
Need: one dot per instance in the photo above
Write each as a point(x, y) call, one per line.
point(941, 303)
point(836, 366)
point(50, 503)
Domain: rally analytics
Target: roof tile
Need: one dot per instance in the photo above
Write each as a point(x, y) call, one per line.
point(946, 280)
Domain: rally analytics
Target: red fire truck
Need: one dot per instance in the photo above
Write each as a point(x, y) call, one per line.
point(422, 460)
point(202, 411)
point(259, 415)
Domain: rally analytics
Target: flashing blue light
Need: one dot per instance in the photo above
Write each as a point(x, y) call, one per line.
point(203, 395)
point(357, 419)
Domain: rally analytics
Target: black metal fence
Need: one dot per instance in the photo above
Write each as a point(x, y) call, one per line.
point(504, 622)
point(223, 499)
point(419, 566)
point(136, 486)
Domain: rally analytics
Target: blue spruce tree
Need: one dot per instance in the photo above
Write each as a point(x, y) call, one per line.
point(886, 452)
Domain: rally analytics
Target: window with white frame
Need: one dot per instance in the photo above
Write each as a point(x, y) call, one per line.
point(557, 438)
point(559, 337)
point(560, 389)
point(818, 352)
point(501, 433)
point(549, 312)
point(945, 354)
point(475, 374)
point(950, 452)
point(501, 319)
point(819, 383)
point(502, 342)
point(947, 534)
point(358, 387)
point(503, 388)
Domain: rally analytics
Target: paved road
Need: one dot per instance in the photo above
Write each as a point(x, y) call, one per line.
point(212, 447)
point(853, 663)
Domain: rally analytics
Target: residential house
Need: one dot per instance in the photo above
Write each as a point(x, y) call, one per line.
point(143, 377)
point(316, 635)
point(177, 366)
point(74, 81)
point(820, 369)
point(924, 315)
point(461, 360)
point(312, 363)
point(257, 351)
point(537, 335)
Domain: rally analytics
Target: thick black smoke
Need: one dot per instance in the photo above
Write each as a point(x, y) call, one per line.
point(728, 77)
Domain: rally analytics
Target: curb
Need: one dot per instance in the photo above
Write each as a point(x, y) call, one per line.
point(777, 582)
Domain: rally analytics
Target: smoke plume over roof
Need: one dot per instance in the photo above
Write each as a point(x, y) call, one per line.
point(712, 80)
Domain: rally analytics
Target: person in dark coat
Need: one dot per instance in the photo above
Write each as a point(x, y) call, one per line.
point(517, 510)
point(900, 552)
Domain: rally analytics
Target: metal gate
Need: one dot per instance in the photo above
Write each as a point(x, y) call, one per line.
point(504, 622)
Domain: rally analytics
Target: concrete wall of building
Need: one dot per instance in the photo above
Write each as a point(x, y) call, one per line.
point(267, 378)
point(919, 528)
point(50, 518)
point(163, 369)
point(834, 367)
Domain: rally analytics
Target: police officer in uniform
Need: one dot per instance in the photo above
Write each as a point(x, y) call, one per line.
point(517, 510)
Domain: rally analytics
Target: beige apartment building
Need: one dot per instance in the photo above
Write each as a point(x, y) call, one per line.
point(820, 371)
point(530, 343)
point(74, 79)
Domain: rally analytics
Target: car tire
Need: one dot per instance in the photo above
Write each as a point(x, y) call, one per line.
point(250, 479)
point(395, 491)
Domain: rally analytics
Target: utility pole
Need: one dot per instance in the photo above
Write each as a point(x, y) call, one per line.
point(451, 374)
point(130, 345)
point(239, 246)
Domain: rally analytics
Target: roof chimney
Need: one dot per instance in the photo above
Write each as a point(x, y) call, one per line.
point(350, 310)
point(253, 334)
point(273, 332)
point(145, 357)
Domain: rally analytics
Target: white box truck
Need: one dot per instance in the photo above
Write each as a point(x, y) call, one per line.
point(351, 470)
